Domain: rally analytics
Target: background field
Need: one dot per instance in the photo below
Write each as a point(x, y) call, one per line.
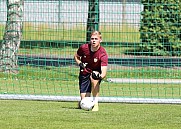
point(63, 81)
point(52, 32)
point(61, 115)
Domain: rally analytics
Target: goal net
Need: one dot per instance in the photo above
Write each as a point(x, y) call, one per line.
point(52, 32)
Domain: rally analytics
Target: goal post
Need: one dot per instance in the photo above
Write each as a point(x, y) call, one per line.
point(101, 99)
point(54, 30)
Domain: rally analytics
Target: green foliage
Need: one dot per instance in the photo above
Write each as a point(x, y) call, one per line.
point(2, 28)
point(160, 29)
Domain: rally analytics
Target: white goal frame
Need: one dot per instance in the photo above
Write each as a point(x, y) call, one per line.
point(101, 99)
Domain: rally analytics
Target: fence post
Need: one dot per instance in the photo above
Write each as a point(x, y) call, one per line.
point(93, 18)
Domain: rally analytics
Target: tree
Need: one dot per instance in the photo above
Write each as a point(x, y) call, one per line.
point(160, 27)
point(12, 37)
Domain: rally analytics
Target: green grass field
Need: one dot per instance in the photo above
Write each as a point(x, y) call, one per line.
point(64, 115)
point(126, 33)
point(63, 81)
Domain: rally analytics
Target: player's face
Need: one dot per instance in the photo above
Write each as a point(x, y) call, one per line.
point(95, 40)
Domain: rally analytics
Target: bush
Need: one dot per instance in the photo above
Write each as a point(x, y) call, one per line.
point(160, 29)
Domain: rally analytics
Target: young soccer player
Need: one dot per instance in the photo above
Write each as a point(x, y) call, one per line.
point(93, 61)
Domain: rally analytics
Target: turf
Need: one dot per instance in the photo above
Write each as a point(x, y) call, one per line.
point(20, 114)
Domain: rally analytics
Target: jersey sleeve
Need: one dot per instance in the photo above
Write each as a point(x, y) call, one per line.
point(80, 51)
point(104, 59)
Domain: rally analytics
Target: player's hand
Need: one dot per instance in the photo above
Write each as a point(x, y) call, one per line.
point(82, 65)
point(96, 75)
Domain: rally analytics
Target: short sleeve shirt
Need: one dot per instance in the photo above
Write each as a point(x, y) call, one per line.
point(94, 60)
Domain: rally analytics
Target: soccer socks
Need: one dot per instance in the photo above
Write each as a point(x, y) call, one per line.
point(96, 106)
point(95, 99)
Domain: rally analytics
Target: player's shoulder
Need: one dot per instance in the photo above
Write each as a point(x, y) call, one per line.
point(86, 45)
point(102, 50)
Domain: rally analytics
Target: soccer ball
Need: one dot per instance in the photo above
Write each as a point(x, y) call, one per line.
point(87, 103)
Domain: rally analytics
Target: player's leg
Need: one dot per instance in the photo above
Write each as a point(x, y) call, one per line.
point(83, 95)
point(84, 87)
point(95, 89)
point(95, 93)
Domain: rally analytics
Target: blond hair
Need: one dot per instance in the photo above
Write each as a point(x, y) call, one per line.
point(96, 33)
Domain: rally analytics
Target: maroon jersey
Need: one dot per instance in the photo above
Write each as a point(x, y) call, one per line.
point(94, 60)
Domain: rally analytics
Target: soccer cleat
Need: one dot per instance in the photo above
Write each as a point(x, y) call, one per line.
point(96, 107)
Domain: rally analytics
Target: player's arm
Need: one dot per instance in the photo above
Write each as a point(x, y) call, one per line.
point(77, 58)
point(103, 71)
point(104, 65)
point(97, 76)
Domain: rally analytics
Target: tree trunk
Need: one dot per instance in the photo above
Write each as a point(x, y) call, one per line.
point(12, 37)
